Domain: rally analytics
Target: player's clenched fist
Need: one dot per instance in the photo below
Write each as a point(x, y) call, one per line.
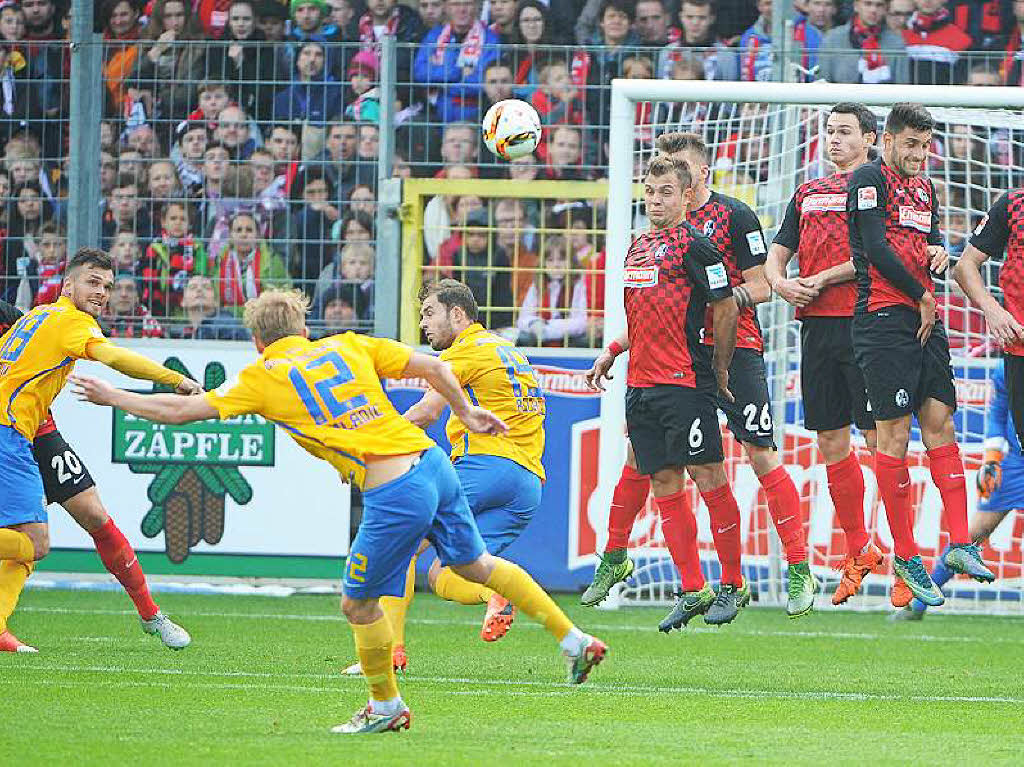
point(188, 387)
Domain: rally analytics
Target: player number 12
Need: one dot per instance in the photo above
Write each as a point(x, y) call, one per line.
point(331, 361)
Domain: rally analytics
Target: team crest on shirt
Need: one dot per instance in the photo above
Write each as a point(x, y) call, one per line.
point(902, 398)
point(709, 227)
point(659, 254)
point(922, 195)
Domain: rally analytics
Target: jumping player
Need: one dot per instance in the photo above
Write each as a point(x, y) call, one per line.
point(36, 356)
point(328, 395)
point(67, 481)
point(901, 346)
point(672, 273)
point(831, 385)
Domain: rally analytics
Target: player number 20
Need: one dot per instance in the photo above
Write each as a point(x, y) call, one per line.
point(70, 460)
point(755, 424)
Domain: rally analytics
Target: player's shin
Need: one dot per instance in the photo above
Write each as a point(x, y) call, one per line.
point(894, 486)
point(12, 580)
point(846, 486)
point(395, 608)
point(680, 529)
point(628, 499)
point(14, 544)
point(513, 583)
point(947, 470)
point(784, 506)
point(373, 646)
point(725, 528)
point(120, 559)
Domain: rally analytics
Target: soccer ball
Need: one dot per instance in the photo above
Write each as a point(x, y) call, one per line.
point(511, 129)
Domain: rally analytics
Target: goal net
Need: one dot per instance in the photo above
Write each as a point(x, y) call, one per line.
point(765, 140)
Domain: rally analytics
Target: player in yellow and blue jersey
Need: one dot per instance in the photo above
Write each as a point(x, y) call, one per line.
point(501, 475)
point(328, 396)
point(37, 354)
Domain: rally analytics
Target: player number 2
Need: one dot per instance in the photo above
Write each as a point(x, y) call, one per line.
point(754, 424)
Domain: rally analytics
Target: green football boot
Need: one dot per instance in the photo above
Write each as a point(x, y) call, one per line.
point(802, 587)
point(689, 606)
point(615, 567)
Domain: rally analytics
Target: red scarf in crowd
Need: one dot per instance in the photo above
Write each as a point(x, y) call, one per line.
point(470, 49)
point(579, 68)
point(868, 39)
point(367, 36)
point(237, 285)
point(923, 23)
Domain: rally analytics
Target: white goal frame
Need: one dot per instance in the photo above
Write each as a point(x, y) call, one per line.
point(625, 94)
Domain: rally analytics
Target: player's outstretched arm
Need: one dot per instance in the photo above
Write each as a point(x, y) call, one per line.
point(444, 382)
point(725, 314)
point(159, 408)
point(426, 412)
point(1003, 326)
point(137, 366)
point(602, 366)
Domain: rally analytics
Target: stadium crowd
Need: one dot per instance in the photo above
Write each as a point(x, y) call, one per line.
point(240, 137)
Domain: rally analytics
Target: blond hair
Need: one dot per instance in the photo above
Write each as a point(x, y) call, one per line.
point(275, 314)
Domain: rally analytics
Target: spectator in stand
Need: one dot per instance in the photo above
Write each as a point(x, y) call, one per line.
point(204, 320)
point(367, 154)
point(344, 17)
point(364, 95)
point(452, 58)
point(126, 252)
point(247, 61)
point(170, 260)
point(697, 42)
point(27, 212)
point(389, 17)
point(1013, 62)
point(557, 101)
point(163, 186)
point(216, 161)
point(808, 35)
point(121, 33)
point(498, 79)
point(523, 170)
point(338, 157)
point(125, 316)
point(653, 26)
point(272, 20)
point(865, 50)
point(554, 310)
point(462, 207)
point(234, 132)
point(501, 19)
point(433, 13)
point(484, 269)
point(311, 23)
point(438, 212)
point(187, 154)
point(898, 14)
point(246, 265)
point(284, 144)
point(143, 139)
point(640, 67)
point(336, 312)
point(355, 226)
point(755, 50)
point(313, 218)
point(41, 20)
point(361, 199)
point(565, 148)
point(314, 98)
point(351, 270)
point(108, 172)
point(130, 162)
point(986, 22)
point(52, 254)
point(935, 45)
point(512, 236)
point(531, 38)
point(22, 105)
point(122, 211)
point(984, 76)
point(166, 72)
point(213, 97)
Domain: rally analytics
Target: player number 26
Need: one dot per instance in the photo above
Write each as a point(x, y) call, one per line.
point(755, 424)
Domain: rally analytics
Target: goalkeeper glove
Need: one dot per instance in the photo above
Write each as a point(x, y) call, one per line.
point(990, 475)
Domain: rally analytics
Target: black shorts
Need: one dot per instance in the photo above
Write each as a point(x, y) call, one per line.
point(831, 383)
point(750, 414)
point(899, 373)
point(1013, 370)
point(64, 475)
point(672, 426)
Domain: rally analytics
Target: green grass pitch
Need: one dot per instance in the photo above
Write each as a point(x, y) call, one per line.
point(260, 685)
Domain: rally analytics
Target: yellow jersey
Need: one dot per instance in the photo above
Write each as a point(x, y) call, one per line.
point(37, 355)
point(328, 396)
point(496, 375)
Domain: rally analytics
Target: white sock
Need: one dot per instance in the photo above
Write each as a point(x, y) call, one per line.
point(574, 642)
point(387, 707)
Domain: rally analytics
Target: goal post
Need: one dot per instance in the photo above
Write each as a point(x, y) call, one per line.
point(790, 123)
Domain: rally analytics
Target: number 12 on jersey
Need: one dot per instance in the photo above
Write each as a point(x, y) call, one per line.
point(302, 377)
point(525, 387)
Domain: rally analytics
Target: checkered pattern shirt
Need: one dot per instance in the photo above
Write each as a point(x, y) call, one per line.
point(1002, 231)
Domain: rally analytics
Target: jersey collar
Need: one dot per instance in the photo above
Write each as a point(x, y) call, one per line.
point(472, 330)
point(282, 346)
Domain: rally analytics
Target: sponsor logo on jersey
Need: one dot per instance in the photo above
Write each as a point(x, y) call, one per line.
point(554, 381)
point(717, 276)
point(640, 276)
point(755, 241)
point(709, 227)
point(867, 198)
point(819, 203)
point(916, 219)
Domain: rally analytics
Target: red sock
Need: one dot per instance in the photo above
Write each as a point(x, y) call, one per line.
point(680, 528)
point(629, 497)
point(725, 527)
point(948, 475)
point(119, 558)
point(846, 486)
point(784, 506)
point(894, 485)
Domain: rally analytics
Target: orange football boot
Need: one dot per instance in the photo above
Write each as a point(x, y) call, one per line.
point(854, 570)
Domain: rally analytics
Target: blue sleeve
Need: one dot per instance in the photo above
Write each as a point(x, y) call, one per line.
point(425, 71)
point(997, 416)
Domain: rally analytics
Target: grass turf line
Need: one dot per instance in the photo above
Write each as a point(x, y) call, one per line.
point(263, 688)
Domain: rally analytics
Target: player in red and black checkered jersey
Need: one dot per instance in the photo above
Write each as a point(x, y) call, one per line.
point(672, 274)
point(1001, 231)
point(66, 481)
point(735, 230)
point(900, 345)
point(815, 228)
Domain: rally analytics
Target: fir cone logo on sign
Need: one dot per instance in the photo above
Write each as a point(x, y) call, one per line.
point(194, 467)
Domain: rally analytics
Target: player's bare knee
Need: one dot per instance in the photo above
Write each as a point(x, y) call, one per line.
point(707, 477)
point(478, 571)
point(39, 534)
point(834, 444)
point(762, 459)
point(894, 437)
point(630, 455)
point(667, 482)
point(87, 510)
point(360, 611)
point(434, 572)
